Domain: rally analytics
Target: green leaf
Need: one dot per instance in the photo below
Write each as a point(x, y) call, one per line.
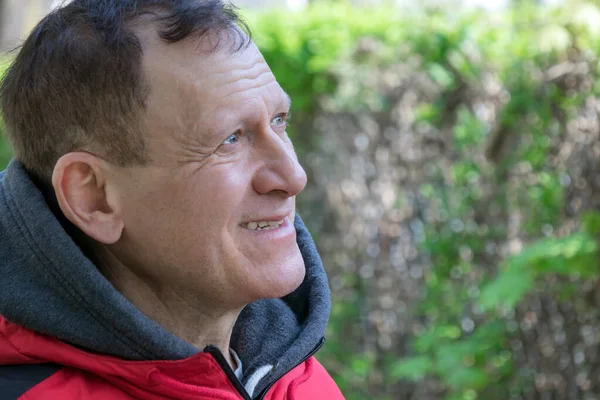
point(468, 378)
point(413, 368)
point(591, 223)
point(509, 287)
point(441, 76)
point(361, 366)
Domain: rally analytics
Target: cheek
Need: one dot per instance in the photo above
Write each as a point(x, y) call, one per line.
point(200, 203)
point(216, 193)
point(187, 211)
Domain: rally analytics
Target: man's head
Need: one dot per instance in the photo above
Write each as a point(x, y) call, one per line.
point(162, 131)
point(77, 82)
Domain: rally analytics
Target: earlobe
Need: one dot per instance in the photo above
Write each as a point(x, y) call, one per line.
point(80, 183)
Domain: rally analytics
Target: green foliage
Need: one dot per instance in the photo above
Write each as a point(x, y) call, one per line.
point(301, 49)
point(474, 359)
point(468, 363)
point(574, 255)
point(4, 147)
point(469, 320)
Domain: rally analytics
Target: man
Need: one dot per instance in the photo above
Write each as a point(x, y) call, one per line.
point(149, 247)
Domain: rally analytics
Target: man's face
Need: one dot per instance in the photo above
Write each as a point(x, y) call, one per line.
point(222, 165)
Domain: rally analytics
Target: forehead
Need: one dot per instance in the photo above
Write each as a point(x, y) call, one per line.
point(192, 80)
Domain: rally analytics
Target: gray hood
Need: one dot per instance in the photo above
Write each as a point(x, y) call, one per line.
point(48, 285)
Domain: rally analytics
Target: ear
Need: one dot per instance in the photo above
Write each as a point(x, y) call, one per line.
point(86, 197)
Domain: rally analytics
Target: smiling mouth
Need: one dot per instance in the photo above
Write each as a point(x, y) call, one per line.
point(264, 225)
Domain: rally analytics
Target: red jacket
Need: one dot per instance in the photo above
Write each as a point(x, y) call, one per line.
point(82, 375)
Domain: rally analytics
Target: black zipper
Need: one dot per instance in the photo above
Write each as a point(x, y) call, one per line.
point(312, 353)
point(216, 353)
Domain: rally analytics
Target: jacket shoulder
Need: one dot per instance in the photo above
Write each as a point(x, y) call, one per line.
point(308, 381)
point(323, 384)
point(16, 380)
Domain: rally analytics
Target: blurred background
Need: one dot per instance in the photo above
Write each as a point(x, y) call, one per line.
point(453, 152)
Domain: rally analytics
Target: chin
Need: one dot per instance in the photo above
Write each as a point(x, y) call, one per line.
point(286, 281)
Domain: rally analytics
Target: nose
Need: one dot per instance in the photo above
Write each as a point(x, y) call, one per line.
point(279, 171)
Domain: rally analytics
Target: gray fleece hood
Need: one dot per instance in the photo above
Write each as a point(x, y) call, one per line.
point(48, 285)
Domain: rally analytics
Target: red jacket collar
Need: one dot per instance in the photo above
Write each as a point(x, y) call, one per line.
point(196, 374)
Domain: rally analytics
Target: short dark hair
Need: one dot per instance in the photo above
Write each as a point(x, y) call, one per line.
point(77, 81)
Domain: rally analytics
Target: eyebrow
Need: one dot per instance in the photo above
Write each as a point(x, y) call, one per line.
point(288, 100)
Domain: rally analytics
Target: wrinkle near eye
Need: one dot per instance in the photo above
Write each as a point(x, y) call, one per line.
point(193, 153)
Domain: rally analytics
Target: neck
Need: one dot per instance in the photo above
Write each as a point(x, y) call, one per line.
point(182, 313)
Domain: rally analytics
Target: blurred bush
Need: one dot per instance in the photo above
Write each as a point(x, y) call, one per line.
point(454, 162)
point(454, 159)
point(4, 147)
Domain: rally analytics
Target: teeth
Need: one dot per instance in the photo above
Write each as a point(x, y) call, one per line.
point(264, 225)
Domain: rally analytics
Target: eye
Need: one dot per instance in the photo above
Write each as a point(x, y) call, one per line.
point(234, 138)
point(280, 120)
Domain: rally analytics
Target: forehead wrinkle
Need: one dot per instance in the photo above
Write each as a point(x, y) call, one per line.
point(244, 73)
point(205, 109)
point(222, 118)
point(250, 112)
point(241, 86)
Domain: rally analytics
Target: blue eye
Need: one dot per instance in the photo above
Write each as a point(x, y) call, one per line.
point(279, 120)
point(232, 139)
